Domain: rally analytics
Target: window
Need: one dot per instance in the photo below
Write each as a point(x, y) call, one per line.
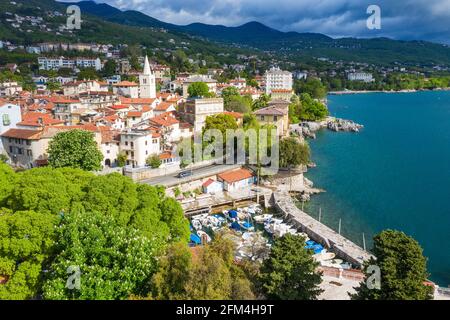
point(132, 144)
point(29, 153)
point(275, 118)
point(11, 149)
point(6, 120)
point(126, 143)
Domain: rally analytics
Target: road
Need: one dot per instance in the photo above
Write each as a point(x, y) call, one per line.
point(200, 173)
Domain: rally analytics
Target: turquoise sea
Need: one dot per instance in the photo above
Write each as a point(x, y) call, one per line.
point(394, 174)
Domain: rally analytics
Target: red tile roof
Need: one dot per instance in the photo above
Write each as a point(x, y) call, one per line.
point(37, 119)
point(23, 134)
point(235, 175)
point(126, 84)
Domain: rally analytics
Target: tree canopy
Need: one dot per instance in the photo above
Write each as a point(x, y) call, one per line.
point(310, 109)
point(290, 271)
point(199, 89)
point(402, 269)
point(294, 153)
point(75, 149)
point(111, 228)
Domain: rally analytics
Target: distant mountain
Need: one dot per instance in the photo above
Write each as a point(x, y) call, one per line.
point(252, 33)
point(257, 35)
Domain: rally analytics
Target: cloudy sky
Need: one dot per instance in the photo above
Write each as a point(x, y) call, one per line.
point(400, 19)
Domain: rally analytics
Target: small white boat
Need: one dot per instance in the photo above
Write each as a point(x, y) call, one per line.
point(263, 218)
point(204, 236)
point(197, 224)
point(324, 256)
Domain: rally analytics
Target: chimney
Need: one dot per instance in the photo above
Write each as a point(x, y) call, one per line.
point(40, 121)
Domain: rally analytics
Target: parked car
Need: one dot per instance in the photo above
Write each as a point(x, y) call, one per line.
point(185, 174)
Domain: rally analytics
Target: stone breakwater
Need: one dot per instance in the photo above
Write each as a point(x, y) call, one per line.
point(319, 232)
point(309, 129)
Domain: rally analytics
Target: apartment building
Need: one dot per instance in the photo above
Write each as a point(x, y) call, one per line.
point(276, 79)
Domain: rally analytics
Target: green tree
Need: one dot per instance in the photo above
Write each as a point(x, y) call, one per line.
point(154, 161)
point(199, 89)
point(294, 153)
point(312, 86)
point(53, 86)
point(290, 271)
point(122, 159)
point(175, 267)
point(26, 240)
point(75, 149)
point(312, 110)
point(109, 69)
point(114, 261)
point(88, 74)
point(261, 102)
point(7, 182)
point(221, 122)
point(402, 268)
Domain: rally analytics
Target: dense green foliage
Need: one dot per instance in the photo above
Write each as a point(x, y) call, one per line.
point(115, 260)
point(402, 269)
point(294, 153)
point(111, 228)
point(233, 101)
point(311, 109)
point(75, 149)
point(290, 271)
point(312, 86)
point(208, 273)
point(154, 161)
point(199, 89)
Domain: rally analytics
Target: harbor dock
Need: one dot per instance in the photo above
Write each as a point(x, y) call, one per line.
point(341, 246)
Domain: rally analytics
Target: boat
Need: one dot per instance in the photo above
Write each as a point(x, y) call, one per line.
point(197, 224)
point(262, 218)
point(232, 215)
point(195, 239)
point(324, 256)
point(204, 236)
point(247, 226)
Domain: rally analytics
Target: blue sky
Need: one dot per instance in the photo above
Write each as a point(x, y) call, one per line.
point(401, 19)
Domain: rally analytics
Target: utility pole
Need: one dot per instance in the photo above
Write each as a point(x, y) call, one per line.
point(364, 242)
point(340, 220)
point(320, 214)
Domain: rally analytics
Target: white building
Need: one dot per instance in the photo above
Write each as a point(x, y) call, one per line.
point(360, 76)
point(126, 89)
point(138, 145)
point(61, 62)
point(147, 82)
point(8, 89)
point(10, 115)
point(276, 78)
point(78, 87)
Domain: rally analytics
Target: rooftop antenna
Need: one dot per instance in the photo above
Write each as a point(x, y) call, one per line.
point(364, 242)
point(340, 220)
point(320, 214)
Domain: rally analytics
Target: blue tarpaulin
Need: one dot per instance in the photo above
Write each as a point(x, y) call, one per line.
point(195, 239)
point(235, 226)
point(233, 214)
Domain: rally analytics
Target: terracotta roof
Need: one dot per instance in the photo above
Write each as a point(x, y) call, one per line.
point(235, 175)
point(281, 91)
point(23, 134)
point(64, 100)
point(163, 106)
point(208, 183)
point(119, 107)
point(37, 119)
point(166, 155)
point(134, 114)
point(164, 120)
point(124, 100)
point(235, 115)
point(126, 84)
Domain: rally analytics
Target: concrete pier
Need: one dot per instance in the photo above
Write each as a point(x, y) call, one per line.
point(319, 232)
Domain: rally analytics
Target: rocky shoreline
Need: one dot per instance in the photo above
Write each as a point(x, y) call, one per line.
point(309, 129)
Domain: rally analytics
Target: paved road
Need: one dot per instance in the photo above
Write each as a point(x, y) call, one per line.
point(200, 173)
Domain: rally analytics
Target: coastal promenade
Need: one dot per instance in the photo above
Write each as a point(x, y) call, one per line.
point(317, 231)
